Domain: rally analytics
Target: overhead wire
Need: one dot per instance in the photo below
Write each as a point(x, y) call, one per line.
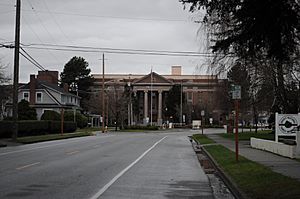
point(54, 19)
point(36, 62)
point(88, 49)
point(40, 20)
point(28, 59)
point(112, 17)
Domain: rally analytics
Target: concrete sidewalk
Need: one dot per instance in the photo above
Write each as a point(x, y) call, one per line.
point(279, 164)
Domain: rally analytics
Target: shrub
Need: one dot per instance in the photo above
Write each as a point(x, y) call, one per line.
point(51, 115)
point(149, 127)
point(25, 112)
point(6, 129)
point(80, 119)
point(69, 127)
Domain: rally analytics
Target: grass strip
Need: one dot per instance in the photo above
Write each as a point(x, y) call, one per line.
point(255, 180)
point(202, 139)
point(267, 135)
point(42, 138)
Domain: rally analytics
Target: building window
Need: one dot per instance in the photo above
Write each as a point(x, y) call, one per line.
point(189, 96)
point(63, 99)
point(38, 97)
point(26, 96)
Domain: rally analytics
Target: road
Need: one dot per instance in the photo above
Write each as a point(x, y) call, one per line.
point(116, 165)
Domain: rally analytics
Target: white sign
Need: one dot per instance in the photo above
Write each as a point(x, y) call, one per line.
point(236, 92)
point(202, 113)
point(286, 124)
point(210, 120)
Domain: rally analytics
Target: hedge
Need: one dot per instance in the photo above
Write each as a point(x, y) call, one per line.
point(81, 120)
point(34, 127)
point(142, 127)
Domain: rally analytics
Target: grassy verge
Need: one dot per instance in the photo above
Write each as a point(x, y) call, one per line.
point(247, 135)
point(133, 130)
point(42, 138)
point(255, 180)
point(202, 139)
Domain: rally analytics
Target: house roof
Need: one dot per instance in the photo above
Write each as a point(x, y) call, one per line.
point(47, 85)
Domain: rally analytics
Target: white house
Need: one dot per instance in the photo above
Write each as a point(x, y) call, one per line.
point(43, 93)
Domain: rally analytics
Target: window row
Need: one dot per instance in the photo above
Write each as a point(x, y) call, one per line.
point(38, 96)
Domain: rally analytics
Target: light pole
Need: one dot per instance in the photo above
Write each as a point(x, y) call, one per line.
point(103, 102)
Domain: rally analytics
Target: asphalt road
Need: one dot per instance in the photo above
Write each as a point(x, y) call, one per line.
point(117, 165)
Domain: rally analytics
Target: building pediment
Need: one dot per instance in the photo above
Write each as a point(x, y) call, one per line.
point(153, 78)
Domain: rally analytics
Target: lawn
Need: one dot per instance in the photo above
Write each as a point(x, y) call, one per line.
point(267, 135)
point(255, 180)
point(202, 139)
point(42, 138)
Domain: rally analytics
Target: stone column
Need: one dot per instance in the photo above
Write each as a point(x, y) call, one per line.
point(159, 118)
point(146, 118)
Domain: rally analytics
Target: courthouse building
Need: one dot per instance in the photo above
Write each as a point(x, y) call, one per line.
point(202, 92)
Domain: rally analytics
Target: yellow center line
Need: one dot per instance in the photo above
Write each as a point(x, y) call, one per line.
point(72, 152)
point(28, 165)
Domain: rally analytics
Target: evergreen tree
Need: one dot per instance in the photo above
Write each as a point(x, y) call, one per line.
point(77, 75)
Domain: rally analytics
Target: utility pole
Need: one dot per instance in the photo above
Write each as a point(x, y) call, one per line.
point(151, 99)
point(16, 70)
point(181, 103)
point(103, 102)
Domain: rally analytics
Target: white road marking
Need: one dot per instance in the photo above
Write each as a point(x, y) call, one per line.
point(103, 189)
point(47, 146)
point(72, 152)
point(28, 165)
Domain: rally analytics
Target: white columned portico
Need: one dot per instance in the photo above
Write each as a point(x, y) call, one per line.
point(159, 118)
point(146, 118)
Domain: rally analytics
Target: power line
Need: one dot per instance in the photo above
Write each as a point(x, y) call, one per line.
point(37, 63)
point(37, 36)
point(112, 17)
point(38, 17)
point(28, 59)
point(117, 49)
point(120, 52)
point(88, 49)
point(54, 19)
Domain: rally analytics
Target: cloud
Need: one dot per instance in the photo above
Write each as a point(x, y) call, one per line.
point(134, 24)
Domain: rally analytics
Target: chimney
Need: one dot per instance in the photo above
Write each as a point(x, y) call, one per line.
point(66, 87)
point(32, 87)
point(48, 76)
point(176, 70)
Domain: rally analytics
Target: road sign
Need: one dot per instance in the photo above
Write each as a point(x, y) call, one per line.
point(202, 113)
point(236, 91)
point(286, 124)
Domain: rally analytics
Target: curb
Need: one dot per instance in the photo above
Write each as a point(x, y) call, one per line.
point(232, 186)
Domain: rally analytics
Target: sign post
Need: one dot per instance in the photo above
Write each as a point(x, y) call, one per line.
point(236, 96)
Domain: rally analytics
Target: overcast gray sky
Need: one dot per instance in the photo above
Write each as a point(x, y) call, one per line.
point(130, 24)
